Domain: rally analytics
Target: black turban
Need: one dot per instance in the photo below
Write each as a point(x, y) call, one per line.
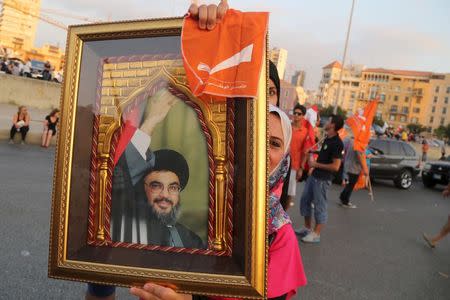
point(170, 160)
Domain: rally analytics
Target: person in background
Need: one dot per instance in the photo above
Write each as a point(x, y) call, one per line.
point(16, 69)
point(353, 165)
point(404, 136)
point(21, 123)
point(443, 152)
point(27, 69)
point(316, 188)
point(50, 127)
point(274, 85)
point(433, 241)
point(299, 133)
point(46, 73)
point(425, 148)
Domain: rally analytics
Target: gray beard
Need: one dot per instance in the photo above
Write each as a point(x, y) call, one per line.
point(166, 219)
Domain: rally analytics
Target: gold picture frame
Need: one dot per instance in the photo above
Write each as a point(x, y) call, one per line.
point(92, 107)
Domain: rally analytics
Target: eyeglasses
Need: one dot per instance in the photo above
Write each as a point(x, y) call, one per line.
point(298, 113)
point(157, 187)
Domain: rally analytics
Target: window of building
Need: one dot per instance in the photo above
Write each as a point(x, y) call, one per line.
point(382, 97)
point(361, 95)
point(436, 90)
point(402, 119)
point(353, 95)
point(448, 90)
point(394, 108)
point(433, 109)
point(444, 110)
point(416, 110)
point(392, 118)
point(431, 119)
point(442, 121)
point(446, 100)
point(414, 120)
point(395, 98)
point(406, 99)
point(405, 109)
point(435, 99)
point(397, 88)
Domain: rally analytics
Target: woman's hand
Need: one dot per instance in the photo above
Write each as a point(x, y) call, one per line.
point(152, 291)
point(208, 15)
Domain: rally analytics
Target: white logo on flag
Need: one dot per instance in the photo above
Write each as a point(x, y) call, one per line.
point(245, 55)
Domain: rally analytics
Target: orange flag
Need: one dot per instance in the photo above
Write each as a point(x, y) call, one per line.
point(360, 125)
point(227, 60)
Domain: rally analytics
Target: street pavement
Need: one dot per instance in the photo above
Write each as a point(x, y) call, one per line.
point(372, 252)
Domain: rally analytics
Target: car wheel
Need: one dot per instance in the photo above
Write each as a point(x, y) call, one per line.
point(404, 180)
point(428, 182)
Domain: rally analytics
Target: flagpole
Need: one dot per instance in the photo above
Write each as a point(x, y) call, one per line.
point(343, 58)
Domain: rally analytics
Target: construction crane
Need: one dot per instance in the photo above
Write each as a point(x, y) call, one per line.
point(67, 15)
point(45, 18)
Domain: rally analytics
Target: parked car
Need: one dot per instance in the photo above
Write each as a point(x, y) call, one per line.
point(436, 172)
point(37, 67)
point(394, 160)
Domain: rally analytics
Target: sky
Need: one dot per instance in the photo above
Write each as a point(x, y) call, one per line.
point(400, 34)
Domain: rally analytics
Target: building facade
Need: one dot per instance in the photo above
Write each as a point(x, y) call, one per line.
point(438, 111)
point(329, 85)
point(298, 79)
point(405, 96)
point(18, 23)
point(288, 96)
point(279, 57)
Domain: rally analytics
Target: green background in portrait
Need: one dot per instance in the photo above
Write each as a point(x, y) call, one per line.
point(181, 131)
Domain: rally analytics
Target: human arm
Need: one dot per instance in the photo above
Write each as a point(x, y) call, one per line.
point(333, 167)
point(208, 15)
point(152, 291)
point(27, 120)
point(14, 119)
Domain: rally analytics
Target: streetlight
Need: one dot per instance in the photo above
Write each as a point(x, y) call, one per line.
point(343, 59)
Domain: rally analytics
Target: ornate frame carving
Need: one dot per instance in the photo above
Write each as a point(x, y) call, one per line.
point(252, 284)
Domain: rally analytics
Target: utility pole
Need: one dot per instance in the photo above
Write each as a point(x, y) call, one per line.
point(343, 58)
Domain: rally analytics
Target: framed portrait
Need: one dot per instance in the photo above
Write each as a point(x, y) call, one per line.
point(152, 184)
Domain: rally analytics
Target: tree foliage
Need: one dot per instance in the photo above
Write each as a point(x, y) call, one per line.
point(416, 128)
point(328, 111)
point(443, 131)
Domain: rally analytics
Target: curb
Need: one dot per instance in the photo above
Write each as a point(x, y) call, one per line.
point(33, 138)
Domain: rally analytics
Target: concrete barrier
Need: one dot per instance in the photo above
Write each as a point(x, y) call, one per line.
point(16, 90)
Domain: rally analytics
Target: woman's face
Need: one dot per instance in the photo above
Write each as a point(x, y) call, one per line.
point(276, 141)
point(273, 99)
point(23, 110)
point(57, 115)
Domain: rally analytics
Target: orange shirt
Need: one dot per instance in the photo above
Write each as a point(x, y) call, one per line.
point(425, 148)
point(297, 145)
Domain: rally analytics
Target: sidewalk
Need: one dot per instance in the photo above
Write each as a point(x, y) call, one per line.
point(36, 124)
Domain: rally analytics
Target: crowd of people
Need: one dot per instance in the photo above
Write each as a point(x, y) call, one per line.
point(290, 163)
point(17, 68)
point(21, 124)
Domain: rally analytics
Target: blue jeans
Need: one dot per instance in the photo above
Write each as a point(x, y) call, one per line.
point(100, 290)
point(315, 192)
